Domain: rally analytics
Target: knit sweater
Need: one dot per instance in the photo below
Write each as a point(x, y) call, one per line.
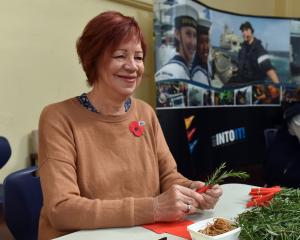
point(95, 173)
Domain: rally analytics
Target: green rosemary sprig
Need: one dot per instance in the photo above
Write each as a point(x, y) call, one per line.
point(219, 176)
point(279, 221)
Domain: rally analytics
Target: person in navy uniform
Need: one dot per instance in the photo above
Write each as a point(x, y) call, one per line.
point(201, 69)
point(179, 66)
point(254, 64)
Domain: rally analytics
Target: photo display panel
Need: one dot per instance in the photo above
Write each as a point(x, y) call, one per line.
point(221, 79)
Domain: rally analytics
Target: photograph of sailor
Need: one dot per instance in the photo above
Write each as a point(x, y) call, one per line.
point(185, 22)
point(201, 68)
point(265, 94)
point(243, 96)
point(208, 98)
point(291, 95)
point(195, 95)
point(254, 64)
point(294, 54)
point(171, 94)
point(225, 97)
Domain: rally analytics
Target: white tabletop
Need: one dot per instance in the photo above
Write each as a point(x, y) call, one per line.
point(232, 202)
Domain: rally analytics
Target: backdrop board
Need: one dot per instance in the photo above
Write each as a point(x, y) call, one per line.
point(221, 79)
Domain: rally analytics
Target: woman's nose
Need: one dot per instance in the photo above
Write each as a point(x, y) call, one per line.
point(131, 65)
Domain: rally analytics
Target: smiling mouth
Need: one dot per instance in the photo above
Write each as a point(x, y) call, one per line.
point(129, 79)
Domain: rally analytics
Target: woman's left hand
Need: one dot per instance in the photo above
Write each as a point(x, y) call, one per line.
point(208, 199)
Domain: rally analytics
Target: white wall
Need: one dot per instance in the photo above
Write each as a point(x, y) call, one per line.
point(39, 64)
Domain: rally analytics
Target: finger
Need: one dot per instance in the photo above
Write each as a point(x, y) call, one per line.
point(192, 209)
point(189, 209)
point(182, 198)
point(189, 200)
point(215, 186)
point(196, 185)
point(210, 201)
point(215, 191)
point(197, 199)
point(208, 206)
point(190, 193)
point(204, 205)
point(185, 207)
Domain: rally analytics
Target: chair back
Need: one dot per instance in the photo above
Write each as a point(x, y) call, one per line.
point(270, 134)
point(22, 203)
point(5, 151)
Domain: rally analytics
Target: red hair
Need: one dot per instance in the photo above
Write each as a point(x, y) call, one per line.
point(101, 36)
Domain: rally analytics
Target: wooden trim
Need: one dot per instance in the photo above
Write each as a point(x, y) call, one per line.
point(280, 8)
point(136, 4)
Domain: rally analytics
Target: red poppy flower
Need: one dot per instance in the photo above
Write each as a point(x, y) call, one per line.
point(137, 128)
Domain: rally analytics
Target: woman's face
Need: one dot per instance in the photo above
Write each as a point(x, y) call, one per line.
point(124, 70)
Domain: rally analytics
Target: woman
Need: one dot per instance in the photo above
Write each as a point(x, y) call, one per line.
point(103, 158)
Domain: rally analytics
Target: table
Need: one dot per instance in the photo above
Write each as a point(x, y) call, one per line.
point(232, 202)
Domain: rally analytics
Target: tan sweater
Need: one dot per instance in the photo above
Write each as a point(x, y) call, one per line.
point(95, 173)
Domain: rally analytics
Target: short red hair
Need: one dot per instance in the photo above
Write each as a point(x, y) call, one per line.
point(101, 36)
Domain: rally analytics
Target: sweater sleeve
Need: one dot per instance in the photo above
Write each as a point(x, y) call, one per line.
point(63, 205)
point(167, 166)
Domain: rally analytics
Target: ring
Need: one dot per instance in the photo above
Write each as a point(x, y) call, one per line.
point(189, 207)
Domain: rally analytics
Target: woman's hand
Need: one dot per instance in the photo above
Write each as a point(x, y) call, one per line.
point(180, 201)
point(210, 197)
point(175, 203)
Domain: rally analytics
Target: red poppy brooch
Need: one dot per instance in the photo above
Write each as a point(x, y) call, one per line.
point(137, 128)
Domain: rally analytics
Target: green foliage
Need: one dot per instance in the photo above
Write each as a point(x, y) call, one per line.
point(219, 175)
point(279, 221)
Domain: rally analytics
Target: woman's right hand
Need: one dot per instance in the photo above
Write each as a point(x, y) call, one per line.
point(175, 203)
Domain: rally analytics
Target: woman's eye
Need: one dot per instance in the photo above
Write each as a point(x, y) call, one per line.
point(119, 56)
point(138, 58)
